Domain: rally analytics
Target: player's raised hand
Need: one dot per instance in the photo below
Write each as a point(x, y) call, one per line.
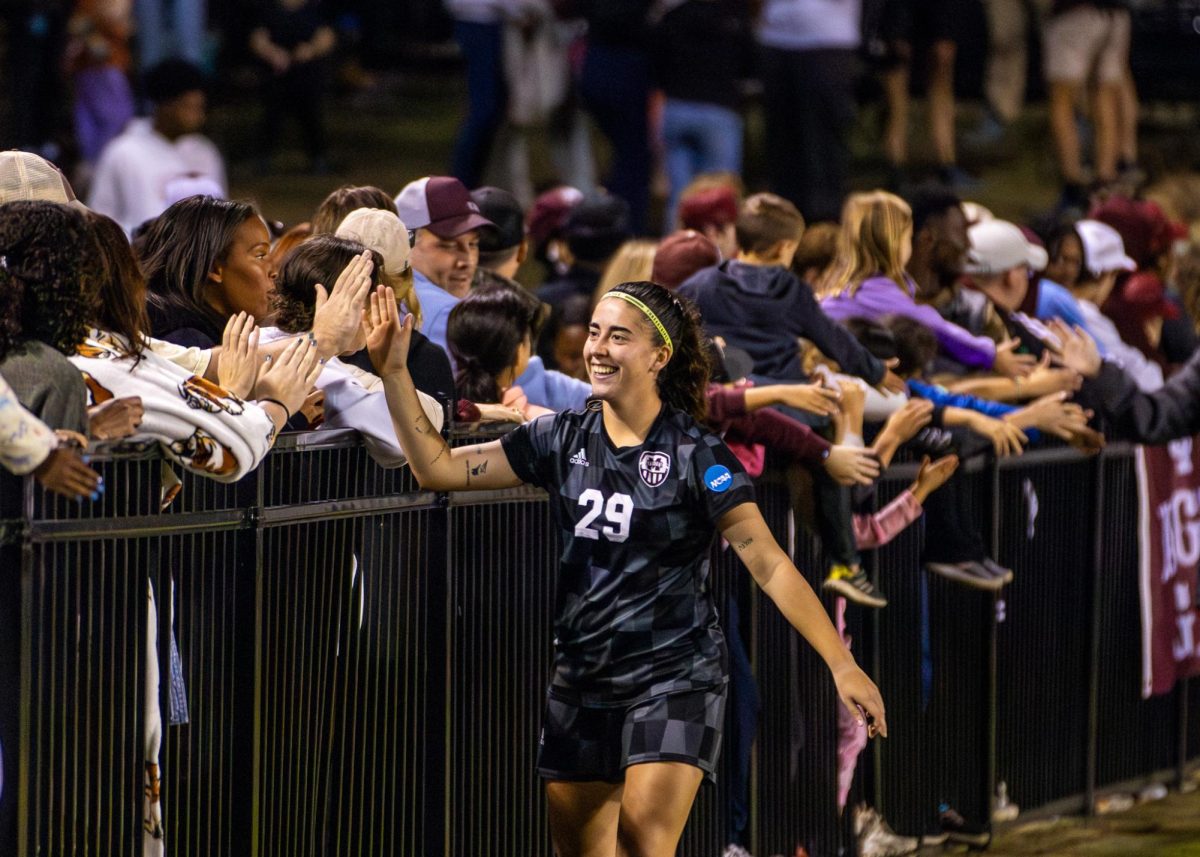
point(388, 336)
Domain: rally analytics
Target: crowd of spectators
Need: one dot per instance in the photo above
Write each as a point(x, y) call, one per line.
point(845, 329)
point(922, 326)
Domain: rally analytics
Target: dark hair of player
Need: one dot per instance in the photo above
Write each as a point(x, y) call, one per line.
point(682, 382)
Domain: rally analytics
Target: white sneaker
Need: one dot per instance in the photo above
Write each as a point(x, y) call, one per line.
point(876, 839)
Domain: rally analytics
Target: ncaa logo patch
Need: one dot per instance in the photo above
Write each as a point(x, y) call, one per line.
point(718, 478)
point(655, 467)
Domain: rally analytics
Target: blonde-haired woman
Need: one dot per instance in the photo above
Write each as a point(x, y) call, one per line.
point(385, 233)
point(632, 263)
point(869, 281)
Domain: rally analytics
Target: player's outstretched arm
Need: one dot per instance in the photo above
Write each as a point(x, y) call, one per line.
point(436, 466)
point(744, 528)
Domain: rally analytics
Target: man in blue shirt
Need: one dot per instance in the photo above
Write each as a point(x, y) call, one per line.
point(445, 252)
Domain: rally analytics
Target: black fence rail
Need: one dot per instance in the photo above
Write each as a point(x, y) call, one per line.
point(364, 664)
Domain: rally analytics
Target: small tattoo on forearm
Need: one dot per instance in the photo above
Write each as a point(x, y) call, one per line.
point(423, 425)
point(741, 546)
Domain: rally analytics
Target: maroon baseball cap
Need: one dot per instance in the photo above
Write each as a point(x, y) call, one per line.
point(715, 206)
point(450, 208)
point(549, 213)
point(1145, 294)
point(682, 254)
point(1144, 227)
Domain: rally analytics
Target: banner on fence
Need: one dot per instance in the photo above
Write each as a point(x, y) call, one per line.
point(1169, 536)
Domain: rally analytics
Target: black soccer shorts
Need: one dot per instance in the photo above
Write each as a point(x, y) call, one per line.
point(584, 744)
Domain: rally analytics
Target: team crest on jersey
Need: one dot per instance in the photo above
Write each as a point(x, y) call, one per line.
point(655, 467)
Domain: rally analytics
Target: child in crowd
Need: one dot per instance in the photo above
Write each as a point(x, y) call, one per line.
point(755, 303)
point(870, 282)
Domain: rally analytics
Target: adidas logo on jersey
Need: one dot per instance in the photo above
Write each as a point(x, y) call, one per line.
point(580, 458)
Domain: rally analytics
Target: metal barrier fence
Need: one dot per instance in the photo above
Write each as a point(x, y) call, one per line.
point(365, 663)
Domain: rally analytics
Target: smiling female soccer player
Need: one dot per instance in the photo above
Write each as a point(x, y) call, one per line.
point(636, 703)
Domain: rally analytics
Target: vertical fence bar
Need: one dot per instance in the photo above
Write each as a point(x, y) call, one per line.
point(993, 667)
point(1094, 620)
point(1182, 689)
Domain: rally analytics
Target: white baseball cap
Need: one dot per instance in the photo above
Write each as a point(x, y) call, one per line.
point(381, 231)
point(998, 246)
point(1103, 249)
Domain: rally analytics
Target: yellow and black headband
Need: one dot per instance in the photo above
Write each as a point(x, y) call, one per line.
point(654, 320)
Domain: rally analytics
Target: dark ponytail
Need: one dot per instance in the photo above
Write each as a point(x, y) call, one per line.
point(683, 381)
point(483, 333)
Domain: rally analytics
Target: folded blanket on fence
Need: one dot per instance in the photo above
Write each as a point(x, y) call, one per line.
point(204, 428)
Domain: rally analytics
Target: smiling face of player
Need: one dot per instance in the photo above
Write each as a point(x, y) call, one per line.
point(622, 355)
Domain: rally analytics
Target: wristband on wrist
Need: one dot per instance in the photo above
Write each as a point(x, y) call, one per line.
point(282, 407)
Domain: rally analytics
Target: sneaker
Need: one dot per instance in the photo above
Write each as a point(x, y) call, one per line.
point(876, 839)
point(971, 573)
point(854, 585)
point(996, 570)
point(955, 828)
point(734, 850)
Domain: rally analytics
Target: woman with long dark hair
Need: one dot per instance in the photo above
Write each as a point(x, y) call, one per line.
point(206, 259)
point(217, 418)
point(635, 706)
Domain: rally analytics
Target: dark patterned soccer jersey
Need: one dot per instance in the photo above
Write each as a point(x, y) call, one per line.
point(635, 616)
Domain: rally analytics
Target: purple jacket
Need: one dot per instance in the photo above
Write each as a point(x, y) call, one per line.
point(880, 296)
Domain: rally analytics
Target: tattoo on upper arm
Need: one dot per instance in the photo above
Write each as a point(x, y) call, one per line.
point(742, 545)
point(476, 471)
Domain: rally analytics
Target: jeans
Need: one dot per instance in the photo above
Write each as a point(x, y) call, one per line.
point(487, 97)
point(698, 138)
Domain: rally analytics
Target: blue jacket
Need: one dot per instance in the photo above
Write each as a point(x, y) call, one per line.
point(941, 397)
